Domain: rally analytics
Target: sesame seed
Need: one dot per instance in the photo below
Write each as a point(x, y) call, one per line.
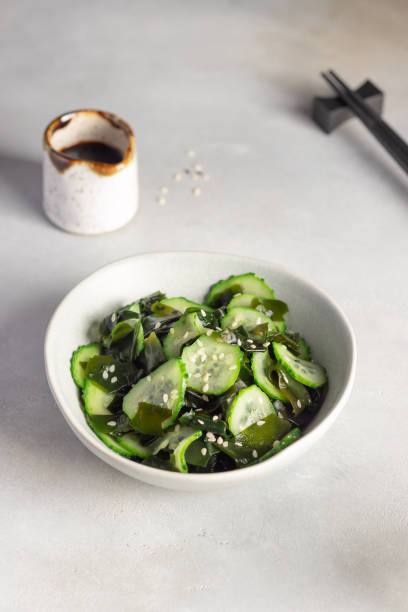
point(164, 189)
point(239, 343)
point(191, 153)
point(206, 177)
point(253, 346)
point(113, 317)
point(105, 374)
point(258, 321)
point(198, 167)
point(255, 454)
point(259, 308)
point(197, 375)
point(177, 177)
point(210, 436)
point(206, 387)
point(209, 332)
point(111, 368)
point(234, 324)
point(214, 357)
point(199, 343)
point(206, 398)
point(233, 367)
point(172, 330)
point(260, 423)
point(275, 444)
point(158, 324)
point(203, 452)
point(185, 335)
point(114, 379)
point(203, 312)
point(149, 378)
point(215, 417)
point(236, 294)
point(220, 440)
point(200, 421)
point(203, 358)
point(266, 344)
point(225, 443)
point(238, 443)
point(218, 328)
point(165, 398)
point(206, 377)
point(161, 200)
point(221, 355)
point(298, 403)
point(197, 191)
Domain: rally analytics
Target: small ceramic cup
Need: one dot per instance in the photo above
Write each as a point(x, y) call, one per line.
point(87, 196)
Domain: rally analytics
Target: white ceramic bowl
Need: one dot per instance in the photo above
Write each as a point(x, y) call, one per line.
point(312, 313)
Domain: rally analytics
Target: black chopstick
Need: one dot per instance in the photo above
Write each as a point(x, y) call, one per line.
point(390, 140)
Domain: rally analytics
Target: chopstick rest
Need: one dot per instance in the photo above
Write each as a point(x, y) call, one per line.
point(331, 112)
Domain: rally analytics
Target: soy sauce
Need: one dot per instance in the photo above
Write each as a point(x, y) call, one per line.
point(94, 151)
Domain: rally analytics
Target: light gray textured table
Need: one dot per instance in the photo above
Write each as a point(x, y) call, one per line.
point(233, 80)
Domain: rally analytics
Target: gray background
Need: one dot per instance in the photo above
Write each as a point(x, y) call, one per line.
point(234, 81)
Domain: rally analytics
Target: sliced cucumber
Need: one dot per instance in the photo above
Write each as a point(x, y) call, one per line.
point(221, 293)
point(131, 442)
point(250, 406)
point(275, 309)
point(113, 444)
point(79, 361)
point(133, 307)
point(212, 365)
point(178, 457)
point(181, 304)
point(96, 400)
point(262, 365)
point(248, 318)
point(164, 387)
point(262, 434)
point(306, 372)
point(304, 349)
point(185, 329)
point(123, 329)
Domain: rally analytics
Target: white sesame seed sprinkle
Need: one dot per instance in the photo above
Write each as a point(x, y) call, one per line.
point(165, 398)
point(199, 343)
point(198, 167)
point(206, 377)
point(234, 324)
point(206, 177)
point(253, 346)
point(197, 191)
point(204, 451)
point(157, 325)
point(225, 443)
point(238, 443)
point(215, 417)
point(191, 153)
point(255, 454)
point(177, 177)
point(233, 367)
point(203, 358)
point(111, 368)
point(149, 378)
point(210, 436)
point(114, 379)
point(258, 321)
point(206, 387)
point(203, 312)
point(239, 343)
point(298, 403)
point(209, 332)
point(197, 375)
point(111, 423)
point(220, 440)
point(105, 374)
point(200, 421)
point(206, 398)
point(221, 355)
point(259, 423)
point(266, 344)
point(113, 318)
point(164, 189)
point(214, 357)
point(161, 200)
point(185, 335)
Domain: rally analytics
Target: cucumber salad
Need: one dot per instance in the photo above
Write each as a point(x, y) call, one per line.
point(189, 387)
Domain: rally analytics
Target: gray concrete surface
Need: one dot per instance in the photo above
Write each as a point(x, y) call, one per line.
point(233, 80)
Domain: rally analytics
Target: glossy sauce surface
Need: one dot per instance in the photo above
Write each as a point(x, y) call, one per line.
point(94, 151)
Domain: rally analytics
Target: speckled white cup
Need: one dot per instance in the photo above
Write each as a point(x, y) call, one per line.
point(89, 197)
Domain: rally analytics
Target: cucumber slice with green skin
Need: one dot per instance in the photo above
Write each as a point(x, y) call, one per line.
point(262, 434)
point(212, 365)
point(165, 387)
point(113, 444)
point(153, 352)
point(123, 329)
point(250, 405)
point(293, 391)
point(262, 366)
point(79, 361)
point(131, 443)
point(185, 329)
point(178, 457)
point(248, 318)
point(286, 441)
point(181, 304)
point(222, 292)
point(304, 349)
point(96, 400)
point(274, 309)
point(306, 372)
point(133, 307)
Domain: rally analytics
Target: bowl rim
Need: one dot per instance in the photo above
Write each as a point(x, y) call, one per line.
point(93, 443)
